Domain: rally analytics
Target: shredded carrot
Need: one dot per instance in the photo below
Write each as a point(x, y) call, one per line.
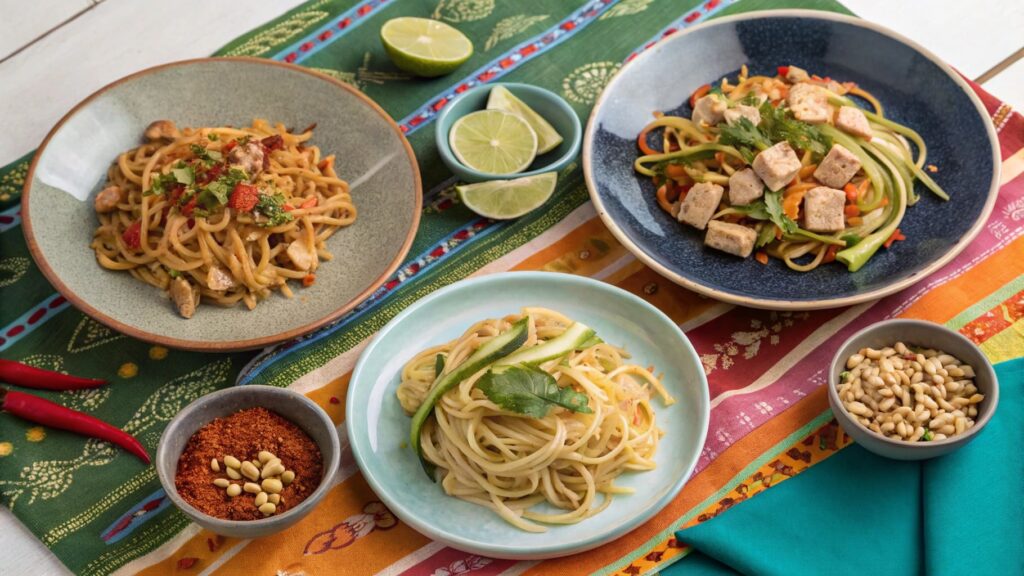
point(310, 203)
point(885, 201)
point(675, 171)
point(855, 221)
point(793, 196)
point(761, 256)
point(663, 199)
point(699, 93)
point(720, 157)
point(287, 208)
point(806, 171)
point(830, 253)
point(851, 192)
point(308, 280)
point(851, 210)
point(641, 142)
point(896, 237)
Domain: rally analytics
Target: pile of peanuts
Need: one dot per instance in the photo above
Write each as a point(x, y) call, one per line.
point(908, 395)
point(266, 469)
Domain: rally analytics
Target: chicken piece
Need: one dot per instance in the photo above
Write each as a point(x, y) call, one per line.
point(777, 166)
point(219, 279)
point(709, 109)
point(248, 157)
point(301, 254)
point(852, 120)
point(797, 74)
point(823, 209)
point(838, 166)
point(185, 296)
point(745, 187)
point(162, 130)
point(108, 199)
point(732, 238)
point(733, 115)
point(809, 103)
point(700, 204)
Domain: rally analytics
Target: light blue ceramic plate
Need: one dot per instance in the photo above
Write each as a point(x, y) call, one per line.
point(71, 166)
point(378, 428)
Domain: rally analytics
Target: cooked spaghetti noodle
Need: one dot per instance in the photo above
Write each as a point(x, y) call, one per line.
point(508, 461)
point(812, 177)
point(221, 214)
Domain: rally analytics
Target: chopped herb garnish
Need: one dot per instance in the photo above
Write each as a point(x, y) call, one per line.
point(530, 391)
point(745, 137)
point(927, 435)
point(160, 183)
point(844, 376)
point(755, 210)
point(850, 239)
point(243, 140)
point(173, 273)
point(271, 206)
point(185, 175)
point(212, 137)
point(209, 157)
point(765, 235)
point(773, 204)
point(778, 124)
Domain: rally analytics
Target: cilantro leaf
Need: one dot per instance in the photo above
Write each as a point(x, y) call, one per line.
point(765, 235)
point(743, 134)
point(773, 204)
point(159, 184)
point(212, 137)
point(530, 391)
point(755, 210)
point(209, 157)
point(185, 175)
point(271, 206)
point(778, 124)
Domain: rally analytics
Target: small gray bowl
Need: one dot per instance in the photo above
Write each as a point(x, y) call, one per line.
point(925, 335)
point(290, 405)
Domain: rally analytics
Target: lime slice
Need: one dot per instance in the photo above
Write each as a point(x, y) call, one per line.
point(547, 137)
point(504, 199)
point(494, 142)
point(425, 47)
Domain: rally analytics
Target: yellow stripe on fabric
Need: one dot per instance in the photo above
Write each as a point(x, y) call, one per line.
point(1005, 345)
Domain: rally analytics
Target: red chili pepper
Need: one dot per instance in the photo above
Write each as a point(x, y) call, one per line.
point(896, 236)
point(132, 236)
point(27, 376)
point(189, 207)
point(227, 147)
point(42, 411)
point(309, 203)
point(783, 71)
point(210, 175)
point(244, 197)
point(275, 142)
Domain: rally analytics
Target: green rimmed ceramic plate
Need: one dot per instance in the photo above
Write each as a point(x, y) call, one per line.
point(378, 429)
point(71, 165)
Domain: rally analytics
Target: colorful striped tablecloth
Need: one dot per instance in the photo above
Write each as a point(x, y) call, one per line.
point(100, 510)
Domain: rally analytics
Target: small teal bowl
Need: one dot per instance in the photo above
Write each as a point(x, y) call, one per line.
point(551, 106)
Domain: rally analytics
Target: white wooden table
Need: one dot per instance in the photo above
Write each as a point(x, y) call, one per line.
point(53, 53)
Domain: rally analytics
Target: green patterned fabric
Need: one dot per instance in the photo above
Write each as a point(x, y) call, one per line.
point(97, 507)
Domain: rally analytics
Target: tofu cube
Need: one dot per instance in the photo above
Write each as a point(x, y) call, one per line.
point(777, 166)
point(809, 103)
point(732, 238)
point(745, 187)
point(823, 209)
point(709, 109)
point(851, 120)
point(700, 204)
point(733, 115)
point(797, 74)
point(838, 166)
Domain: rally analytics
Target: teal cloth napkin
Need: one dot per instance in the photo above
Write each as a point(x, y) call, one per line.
point(860, 514)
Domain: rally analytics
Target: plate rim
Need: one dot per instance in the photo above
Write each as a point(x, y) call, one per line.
point(206, 345)
point(608, 534)
point(782, 303)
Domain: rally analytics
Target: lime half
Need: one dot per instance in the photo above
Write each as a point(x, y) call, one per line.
point(425, 47)
point(502, 99)
point(504, 199)
point(494, 142)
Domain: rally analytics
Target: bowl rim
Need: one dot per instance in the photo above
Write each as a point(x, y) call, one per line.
point(777, 303)
point(838, 362)
point(499, 550)
point(445, 150)
point(304, 507)
point(215, 345)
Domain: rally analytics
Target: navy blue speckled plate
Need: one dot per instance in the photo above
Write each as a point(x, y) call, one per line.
point(915, 88)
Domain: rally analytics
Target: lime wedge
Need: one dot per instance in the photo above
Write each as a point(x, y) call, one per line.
point(494, 142)
point(504, 199)
point(425, 47)
point(502, 99)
